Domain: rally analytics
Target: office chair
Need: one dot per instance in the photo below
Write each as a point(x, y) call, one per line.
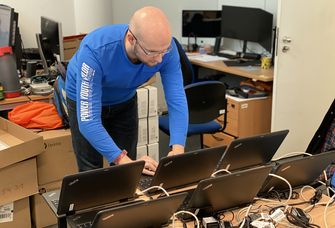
point(206, 101)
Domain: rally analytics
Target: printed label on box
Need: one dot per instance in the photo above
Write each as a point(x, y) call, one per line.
point(6, 213)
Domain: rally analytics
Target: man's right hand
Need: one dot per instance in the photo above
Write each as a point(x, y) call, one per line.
point(150, 165)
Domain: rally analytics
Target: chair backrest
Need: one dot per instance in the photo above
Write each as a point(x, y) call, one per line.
point(186, 66)
point(206, 101)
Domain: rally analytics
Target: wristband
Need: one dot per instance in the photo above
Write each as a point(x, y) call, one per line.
point(118, 158)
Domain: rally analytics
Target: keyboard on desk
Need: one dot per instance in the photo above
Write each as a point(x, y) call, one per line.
point(241, 62)
point(229, 56)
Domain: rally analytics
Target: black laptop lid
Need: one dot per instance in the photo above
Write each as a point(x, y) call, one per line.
point(229, 190)
point(252, 151)
point(187, 168)
point(98, 187)
point(152, 213)
point(298, 171)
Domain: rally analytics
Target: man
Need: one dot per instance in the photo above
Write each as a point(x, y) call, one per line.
point(102, 78)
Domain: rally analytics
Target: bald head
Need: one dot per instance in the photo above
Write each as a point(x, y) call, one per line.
point(151, 26)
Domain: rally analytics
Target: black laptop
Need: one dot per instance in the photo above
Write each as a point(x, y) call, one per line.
point(152, 213)
point(227, 191)
point(298, 171)
point(95, 188)
point(251, 151)
point(184, 169)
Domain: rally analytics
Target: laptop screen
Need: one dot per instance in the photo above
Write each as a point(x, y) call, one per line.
point(98, 187)
point(298, 171)
point(229, 190)
point(152, 213)
point(187, 168)
point(252, 151)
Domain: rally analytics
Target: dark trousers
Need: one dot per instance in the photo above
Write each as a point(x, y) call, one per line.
point(121, 123)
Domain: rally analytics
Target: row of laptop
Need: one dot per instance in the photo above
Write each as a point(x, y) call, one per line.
point(106, 197)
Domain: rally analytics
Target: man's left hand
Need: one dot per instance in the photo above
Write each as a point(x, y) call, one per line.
point(176, 149)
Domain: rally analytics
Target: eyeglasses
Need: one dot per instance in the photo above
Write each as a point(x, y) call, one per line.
point(150, 53)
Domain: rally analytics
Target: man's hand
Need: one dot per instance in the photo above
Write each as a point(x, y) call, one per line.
point(150, 165)
point(176, 149)
point(125, 159)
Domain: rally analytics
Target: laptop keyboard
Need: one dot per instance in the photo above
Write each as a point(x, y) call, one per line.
point(84, 225)
point(145, 182)
point(55, 202)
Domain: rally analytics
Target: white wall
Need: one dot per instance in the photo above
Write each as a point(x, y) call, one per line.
point(122, 10)
point(82, 16)
point(31, 11)
point(76, 16)
point(90, 14)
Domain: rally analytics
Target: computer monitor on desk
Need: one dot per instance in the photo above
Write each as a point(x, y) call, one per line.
point(50, 43)
point(247, 24)
point(200, 23)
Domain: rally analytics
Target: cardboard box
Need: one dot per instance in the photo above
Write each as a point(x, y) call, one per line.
point(153, 101)
point(17, 143)
point(141, 151)
point(153, 129)
point(71, 45)
point(142, 102)
point(153, 151)
point(42, 215)
point(58, 158)
point(18, 181)
point(142, 132)
point(15, 214)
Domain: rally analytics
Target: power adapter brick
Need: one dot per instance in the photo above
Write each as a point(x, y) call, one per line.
point(210, 222)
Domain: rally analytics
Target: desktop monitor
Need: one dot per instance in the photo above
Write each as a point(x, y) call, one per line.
point(50, 43)
point(247, 24)
point(201, 23)
point(6, 26)
point(52, 39)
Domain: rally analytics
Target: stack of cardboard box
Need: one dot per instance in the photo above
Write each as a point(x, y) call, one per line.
point(148, 134)
point(56, 161)
point(18, 173)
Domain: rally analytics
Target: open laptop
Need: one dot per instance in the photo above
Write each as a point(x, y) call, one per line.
point(251, 151)
point(184, 169)
point(298, 171)
point(95, 188)
point(227, 191)
point(152, 213)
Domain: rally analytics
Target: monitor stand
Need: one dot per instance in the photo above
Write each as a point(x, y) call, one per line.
point(40, 50)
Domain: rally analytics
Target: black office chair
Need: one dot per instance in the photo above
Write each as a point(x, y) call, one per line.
point(206, 102)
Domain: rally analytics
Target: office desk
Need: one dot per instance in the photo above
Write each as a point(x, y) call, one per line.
point(10, 103)
point(252, 72)
point(246, 117)
point(316, 213)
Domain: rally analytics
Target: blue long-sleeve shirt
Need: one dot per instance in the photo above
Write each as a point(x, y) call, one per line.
point(100, 74)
